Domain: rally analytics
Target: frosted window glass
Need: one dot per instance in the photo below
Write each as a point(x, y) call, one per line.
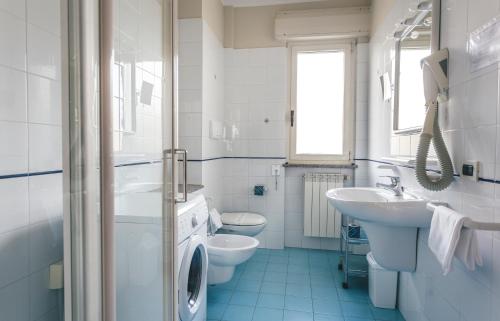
point(411, 108)
point(320, 103)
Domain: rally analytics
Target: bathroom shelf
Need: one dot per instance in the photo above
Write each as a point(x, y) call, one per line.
point(409, 161)
point(344, 264)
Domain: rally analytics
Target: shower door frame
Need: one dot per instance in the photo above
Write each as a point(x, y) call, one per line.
point(89, 278)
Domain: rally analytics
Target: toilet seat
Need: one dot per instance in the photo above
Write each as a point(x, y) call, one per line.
point(243, 219)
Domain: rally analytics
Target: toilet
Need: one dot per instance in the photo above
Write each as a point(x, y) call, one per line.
point(225, 251)
point(242, 223)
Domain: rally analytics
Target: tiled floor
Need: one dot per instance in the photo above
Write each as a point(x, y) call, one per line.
point(293, 285)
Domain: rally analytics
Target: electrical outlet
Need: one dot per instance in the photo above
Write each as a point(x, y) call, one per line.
point(470, 170)
point(275, 170)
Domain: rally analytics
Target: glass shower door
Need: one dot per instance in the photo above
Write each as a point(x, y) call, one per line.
point(121, 219)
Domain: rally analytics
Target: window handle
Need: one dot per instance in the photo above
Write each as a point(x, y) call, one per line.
point(292, 117)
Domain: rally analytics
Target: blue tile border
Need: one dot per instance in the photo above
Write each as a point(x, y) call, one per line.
point(150, 162)
point(481, 179)
point(236, 157)
point(20, 175)
point(157, 161)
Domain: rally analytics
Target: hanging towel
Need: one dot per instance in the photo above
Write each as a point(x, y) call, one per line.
point(444, 235)
point(215, 219)
point(468, 249)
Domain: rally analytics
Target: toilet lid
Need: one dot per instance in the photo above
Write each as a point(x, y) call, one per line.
point(243, 219)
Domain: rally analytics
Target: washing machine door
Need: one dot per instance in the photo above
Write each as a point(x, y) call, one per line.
point(192, 278)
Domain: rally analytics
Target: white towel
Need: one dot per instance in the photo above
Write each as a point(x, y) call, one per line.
point(215, 219)
point(468, 249)
point(444, 235)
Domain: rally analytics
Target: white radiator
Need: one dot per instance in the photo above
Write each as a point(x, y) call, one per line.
point(320, 218)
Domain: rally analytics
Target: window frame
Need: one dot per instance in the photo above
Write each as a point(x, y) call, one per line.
point(349, 93)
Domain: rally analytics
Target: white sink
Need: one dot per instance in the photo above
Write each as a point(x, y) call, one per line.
point(391, 222)
point(381, 206)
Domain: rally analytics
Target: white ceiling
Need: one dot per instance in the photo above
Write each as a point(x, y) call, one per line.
point(255, 3)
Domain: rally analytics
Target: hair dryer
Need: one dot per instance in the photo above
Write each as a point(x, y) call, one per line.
point(435, 77)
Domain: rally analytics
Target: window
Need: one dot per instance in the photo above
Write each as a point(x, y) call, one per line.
point(411, 99)
point(321, 128)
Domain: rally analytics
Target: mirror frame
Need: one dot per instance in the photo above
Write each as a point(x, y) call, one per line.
point(435, 46)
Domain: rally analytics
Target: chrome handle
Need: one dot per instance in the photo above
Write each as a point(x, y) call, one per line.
point(184, 185)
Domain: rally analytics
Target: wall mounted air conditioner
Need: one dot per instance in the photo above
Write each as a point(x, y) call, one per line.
point(335, 23)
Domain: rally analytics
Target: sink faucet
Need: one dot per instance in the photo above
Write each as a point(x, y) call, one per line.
point(395, 185)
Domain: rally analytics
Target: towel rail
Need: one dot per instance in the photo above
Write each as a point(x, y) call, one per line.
point(485, 226)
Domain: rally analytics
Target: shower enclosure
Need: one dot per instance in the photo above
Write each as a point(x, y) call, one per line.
point(88, 141)
point(119, 151)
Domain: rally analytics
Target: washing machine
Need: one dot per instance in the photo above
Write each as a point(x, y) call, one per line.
point(193, 259)
point(139, 264)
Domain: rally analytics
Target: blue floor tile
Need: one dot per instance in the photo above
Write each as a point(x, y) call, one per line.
point(273, 288)
point(278, 259)
point(238, 313)
point(324, 317)
point(267, 314)
point(218, 295)
point(276, 267)
point(244, 298)
point(252, 275)
point(277, 277)
point(271, 301)
point(256, 266)
point(282, 253)
point(293, 285)
point(324, 292)
point(355, 309)
point(298, 304)
point(298, 316)
point(327, 306)
point(299, 290)
point(216, 310)
point(386, 314)
point(248, 285)
point(259, 258)
point(298, 278)
point(297, 268)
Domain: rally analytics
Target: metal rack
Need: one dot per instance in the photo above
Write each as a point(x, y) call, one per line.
point(344, 262)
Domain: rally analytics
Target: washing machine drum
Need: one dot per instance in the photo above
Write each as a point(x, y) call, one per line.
point(192, 278)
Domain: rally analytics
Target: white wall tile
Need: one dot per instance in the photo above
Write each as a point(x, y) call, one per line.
point(13, 94)
point(44, 100)
point(15, 7)
point(46, 243)
point(45, 14)
point(45, 147)
point(45, 198)
point(44, 53)
point(12, 41)
point(41, 298)
point(13, 148)
point(469, 120)
point(14, 300)
point(14, 257)
point(14, 204)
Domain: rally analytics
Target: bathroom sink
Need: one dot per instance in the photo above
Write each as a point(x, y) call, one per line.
point(391, 222)
point(381, 206)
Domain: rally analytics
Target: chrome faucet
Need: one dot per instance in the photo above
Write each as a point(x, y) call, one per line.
point(395, 185)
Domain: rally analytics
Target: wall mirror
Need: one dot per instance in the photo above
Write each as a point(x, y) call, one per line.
point(414, 40)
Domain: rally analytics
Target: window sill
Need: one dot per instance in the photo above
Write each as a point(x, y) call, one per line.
point(349, 165)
